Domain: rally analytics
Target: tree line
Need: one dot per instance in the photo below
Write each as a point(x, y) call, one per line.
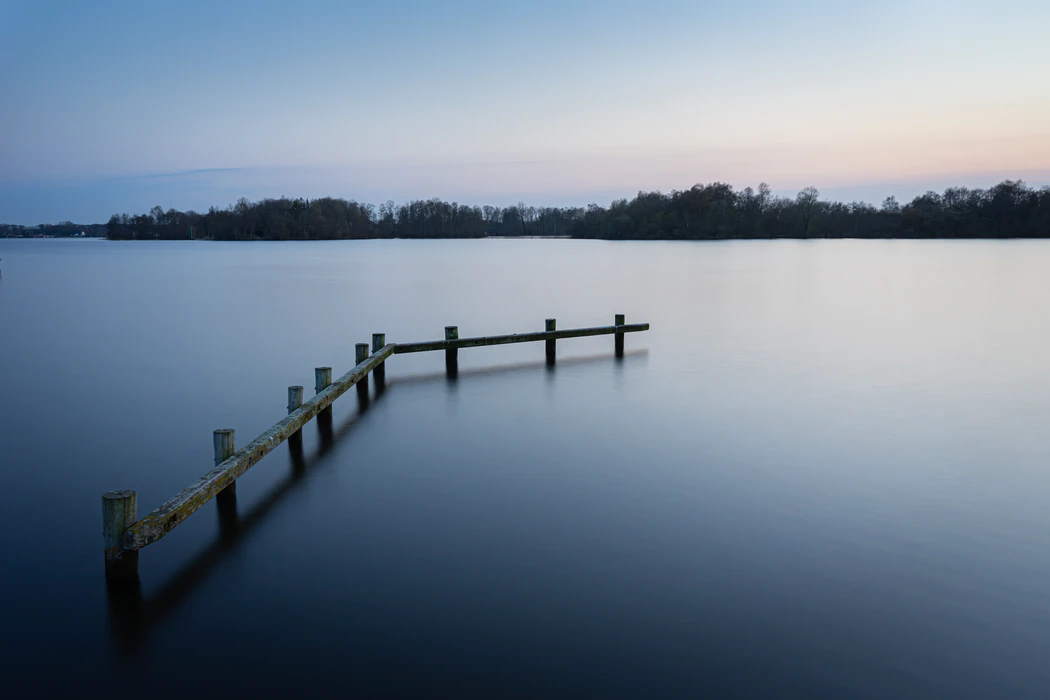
point(63, 229)
point(330, 218)
point(1010, 209)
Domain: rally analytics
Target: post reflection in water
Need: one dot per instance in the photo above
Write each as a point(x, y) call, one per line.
point(132, 616)
point(827, 478)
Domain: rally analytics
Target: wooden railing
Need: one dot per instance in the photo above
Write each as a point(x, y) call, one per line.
point(124, 535)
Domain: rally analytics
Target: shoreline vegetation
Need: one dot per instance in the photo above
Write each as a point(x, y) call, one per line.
point(1010, 209)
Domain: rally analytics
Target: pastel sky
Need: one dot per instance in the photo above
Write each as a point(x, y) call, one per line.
point(119, 106)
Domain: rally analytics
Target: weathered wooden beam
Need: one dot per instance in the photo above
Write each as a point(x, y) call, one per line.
point(164, 519)
point(551, 345)
point(455, 343)
point(118, 514)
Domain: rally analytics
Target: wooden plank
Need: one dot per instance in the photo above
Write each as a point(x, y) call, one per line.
point(402, 348)
point(164, 519)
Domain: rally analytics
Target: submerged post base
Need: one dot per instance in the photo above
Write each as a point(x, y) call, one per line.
point(119, 512)
point(451, 354)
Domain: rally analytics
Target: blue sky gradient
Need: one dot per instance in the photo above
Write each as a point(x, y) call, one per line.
point(119, 106)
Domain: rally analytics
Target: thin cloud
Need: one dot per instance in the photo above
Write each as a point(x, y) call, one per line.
point(182, 173)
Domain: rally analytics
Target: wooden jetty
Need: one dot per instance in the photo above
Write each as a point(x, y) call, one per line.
point(124, 534)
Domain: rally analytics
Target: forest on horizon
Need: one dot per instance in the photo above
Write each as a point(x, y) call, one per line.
point(1010, 209)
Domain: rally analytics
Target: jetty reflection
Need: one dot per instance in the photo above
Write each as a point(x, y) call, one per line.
point(132, 615)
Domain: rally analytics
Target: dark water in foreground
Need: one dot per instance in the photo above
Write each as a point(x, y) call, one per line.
point(825, 471)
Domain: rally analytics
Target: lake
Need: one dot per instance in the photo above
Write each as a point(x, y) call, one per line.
point(824, 471)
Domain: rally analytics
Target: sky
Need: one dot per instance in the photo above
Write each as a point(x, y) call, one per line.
point(119, 106)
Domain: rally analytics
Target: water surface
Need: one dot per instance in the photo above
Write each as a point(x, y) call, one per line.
point(822, 473)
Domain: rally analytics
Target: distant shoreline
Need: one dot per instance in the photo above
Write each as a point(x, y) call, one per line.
point(530, 238)
point(716, 211)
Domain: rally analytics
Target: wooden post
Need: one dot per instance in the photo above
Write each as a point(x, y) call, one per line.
point(295, 398)
point(451, 354)
point(157, 524)
point(360, 355)
point(322, 380)
point(552, 325)
point(223, 442)
point(124, 535)
point(378, 341)
point(119, 512)
point(295, 401)
point(621, 320)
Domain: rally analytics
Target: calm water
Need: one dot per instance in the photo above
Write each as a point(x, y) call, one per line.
point(825, 471)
